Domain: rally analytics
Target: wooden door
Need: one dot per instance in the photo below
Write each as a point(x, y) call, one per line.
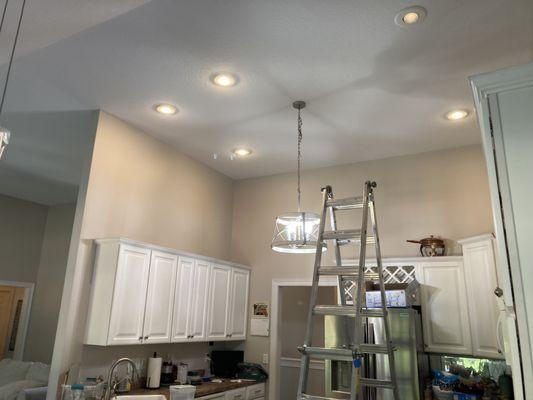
point(7, 294)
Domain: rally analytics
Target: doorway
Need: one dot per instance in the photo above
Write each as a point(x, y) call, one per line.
point(15, 300)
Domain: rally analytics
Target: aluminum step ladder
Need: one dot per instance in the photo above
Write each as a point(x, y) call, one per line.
point(353, 352)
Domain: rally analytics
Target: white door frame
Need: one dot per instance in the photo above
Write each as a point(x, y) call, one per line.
point(24, 315)
point(275, 348)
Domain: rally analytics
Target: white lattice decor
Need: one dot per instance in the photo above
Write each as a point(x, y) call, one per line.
point(391, 274)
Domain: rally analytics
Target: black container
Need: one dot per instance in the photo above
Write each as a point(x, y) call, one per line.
point(225, 363)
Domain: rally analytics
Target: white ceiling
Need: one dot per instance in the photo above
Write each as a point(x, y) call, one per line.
point(374, 89)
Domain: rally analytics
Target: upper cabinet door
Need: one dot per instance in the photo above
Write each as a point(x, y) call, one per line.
point(198, 309)
point(481, 280)
point(160, 298)
point(445, 308)
point(183, 300)
point(129, 296)
point(217, 327)
point(239, 304)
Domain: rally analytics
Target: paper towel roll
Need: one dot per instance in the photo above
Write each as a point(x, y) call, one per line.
point(153, 373)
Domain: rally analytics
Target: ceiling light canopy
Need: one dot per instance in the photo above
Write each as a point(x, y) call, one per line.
point(410, 16)
point(297, 232)
point(455, 115)
point(166, 109)
point(224, 79)
point(241, 152)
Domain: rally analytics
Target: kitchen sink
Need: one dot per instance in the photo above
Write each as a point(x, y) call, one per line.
point(140, 397)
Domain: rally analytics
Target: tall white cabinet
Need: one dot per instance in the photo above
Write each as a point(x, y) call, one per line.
point(142, 294)
point(504, 104)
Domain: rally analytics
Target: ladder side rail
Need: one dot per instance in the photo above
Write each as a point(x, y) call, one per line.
point(356, 387)
point(338, 263)
point(304, 364)
point(379, 262)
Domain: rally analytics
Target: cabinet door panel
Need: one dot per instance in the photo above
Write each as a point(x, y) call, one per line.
point(161, 289)
point(219, 302)
point(129, 297)
point(198, 314)
point(481, 282)
point(183, 296)
point(445, 308)
point(239, 304)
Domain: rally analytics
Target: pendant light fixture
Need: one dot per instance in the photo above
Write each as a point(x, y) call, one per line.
point(297, 232)
point(5, 134)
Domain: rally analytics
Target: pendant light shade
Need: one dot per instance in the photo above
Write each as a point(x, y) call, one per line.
point(297, 232)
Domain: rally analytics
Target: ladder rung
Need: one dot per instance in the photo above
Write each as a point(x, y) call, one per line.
point(327, 354)
point(346, 236)
point(345, 271)
point(347, 311)
point(377, 383)
point(349, 203)
point(368, 348)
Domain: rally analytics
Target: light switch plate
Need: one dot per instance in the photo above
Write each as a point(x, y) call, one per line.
point(265, 358)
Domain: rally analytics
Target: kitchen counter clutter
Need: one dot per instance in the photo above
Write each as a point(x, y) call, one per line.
point(228, 389)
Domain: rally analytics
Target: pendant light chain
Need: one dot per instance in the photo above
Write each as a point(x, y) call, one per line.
point(12, 51)
point(300, 136)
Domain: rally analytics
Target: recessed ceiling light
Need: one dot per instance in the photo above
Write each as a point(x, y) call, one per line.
point(455, 115)
point(165, 108)
point(224, 79)
point(241, 152)
point(410, 16)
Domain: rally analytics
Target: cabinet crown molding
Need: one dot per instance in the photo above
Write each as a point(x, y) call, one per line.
point(476, 239)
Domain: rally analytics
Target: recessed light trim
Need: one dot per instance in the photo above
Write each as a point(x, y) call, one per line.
point(166, 109)
point(224, 79)
point(410, 16)
point(241, 152)
point(456, 115)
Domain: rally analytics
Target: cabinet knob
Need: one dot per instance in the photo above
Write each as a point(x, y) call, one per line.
point(146, 337)
point(498, 292)
point(140, 338)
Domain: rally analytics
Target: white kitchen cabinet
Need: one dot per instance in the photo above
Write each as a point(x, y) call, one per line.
point(219, 303)
point(239, 304)
point(190, 305)
point(444, 307)
point(143, 294)
point(236, 394)
point(118, 295)
point(159, 299)
point(183, 296)
point(255, 391)
point(198, 314)
point(481, 281)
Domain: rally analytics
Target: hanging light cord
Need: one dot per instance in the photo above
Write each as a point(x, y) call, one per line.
point(12, 50)
point(299, 156)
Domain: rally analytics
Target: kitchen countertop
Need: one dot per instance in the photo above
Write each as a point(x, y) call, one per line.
point(204, 389)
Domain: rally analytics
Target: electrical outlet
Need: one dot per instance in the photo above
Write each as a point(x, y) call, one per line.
point(265, 358)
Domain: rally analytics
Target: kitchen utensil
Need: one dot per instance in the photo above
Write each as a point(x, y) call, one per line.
point(431, 246)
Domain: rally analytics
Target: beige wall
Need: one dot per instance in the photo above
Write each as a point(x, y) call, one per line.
point(22, 225)
point(443, 193)
point(142, 189)
point(50, 278)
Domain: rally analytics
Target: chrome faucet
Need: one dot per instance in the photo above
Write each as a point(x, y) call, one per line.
point(110, 386)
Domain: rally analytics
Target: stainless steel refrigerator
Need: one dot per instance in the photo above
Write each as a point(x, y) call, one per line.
point(412, 364)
